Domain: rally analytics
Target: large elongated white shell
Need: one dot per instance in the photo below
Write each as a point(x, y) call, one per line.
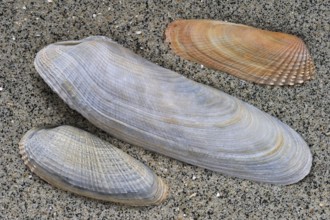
point(246, 52)
point(160, 110)
point(79, 162)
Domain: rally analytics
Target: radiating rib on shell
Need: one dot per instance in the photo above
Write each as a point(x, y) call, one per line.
point(248, 53)
point(79, 162)
point(160, 110)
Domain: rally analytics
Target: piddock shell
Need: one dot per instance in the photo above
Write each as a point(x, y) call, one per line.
point(160, 110)
point(246, 52)
point(79, 162)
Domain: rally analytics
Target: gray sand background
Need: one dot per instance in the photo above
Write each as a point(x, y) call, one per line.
point(195, 193)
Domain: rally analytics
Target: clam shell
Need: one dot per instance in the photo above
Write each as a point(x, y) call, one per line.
point(160, 110)
point(77, 161)
point(246, 52)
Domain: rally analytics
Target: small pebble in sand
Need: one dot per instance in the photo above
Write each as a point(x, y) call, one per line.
point(49, 1)
point(138, 32)
point(14, 38)
point(94, 15)
point(24, 7)
point(192, 195)
point(218, 195)
point(194, 177)
point(1, 88)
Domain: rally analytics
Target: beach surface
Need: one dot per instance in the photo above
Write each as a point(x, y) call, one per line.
point(194, 193)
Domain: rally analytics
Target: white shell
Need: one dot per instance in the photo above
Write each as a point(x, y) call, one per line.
point(79, 162)
point(160, 110)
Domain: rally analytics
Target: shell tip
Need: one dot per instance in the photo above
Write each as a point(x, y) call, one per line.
point(162, 193)
point(168, 34)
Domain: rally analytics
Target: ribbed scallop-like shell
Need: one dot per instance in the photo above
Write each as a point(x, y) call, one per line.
point(246, 52)
point(160, 110)
point(79, 162)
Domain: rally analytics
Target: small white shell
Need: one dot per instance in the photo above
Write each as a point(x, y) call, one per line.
point(79, 162)
point(160, 110)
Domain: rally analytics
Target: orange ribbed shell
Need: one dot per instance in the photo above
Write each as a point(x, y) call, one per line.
point(248, 53)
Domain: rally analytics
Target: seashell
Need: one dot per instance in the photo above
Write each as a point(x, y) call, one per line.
point(246, 52)
point(160, 110)
point(77, 161)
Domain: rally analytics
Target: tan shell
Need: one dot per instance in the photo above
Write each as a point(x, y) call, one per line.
point(246, 52)
point(77, 161)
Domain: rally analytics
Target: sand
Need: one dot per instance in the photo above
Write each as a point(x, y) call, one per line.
point(195, 193)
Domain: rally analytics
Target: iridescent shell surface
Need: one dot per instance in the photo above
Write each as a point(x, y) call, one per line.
point(79, 162)
point(246, 52)
point(155, 108)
